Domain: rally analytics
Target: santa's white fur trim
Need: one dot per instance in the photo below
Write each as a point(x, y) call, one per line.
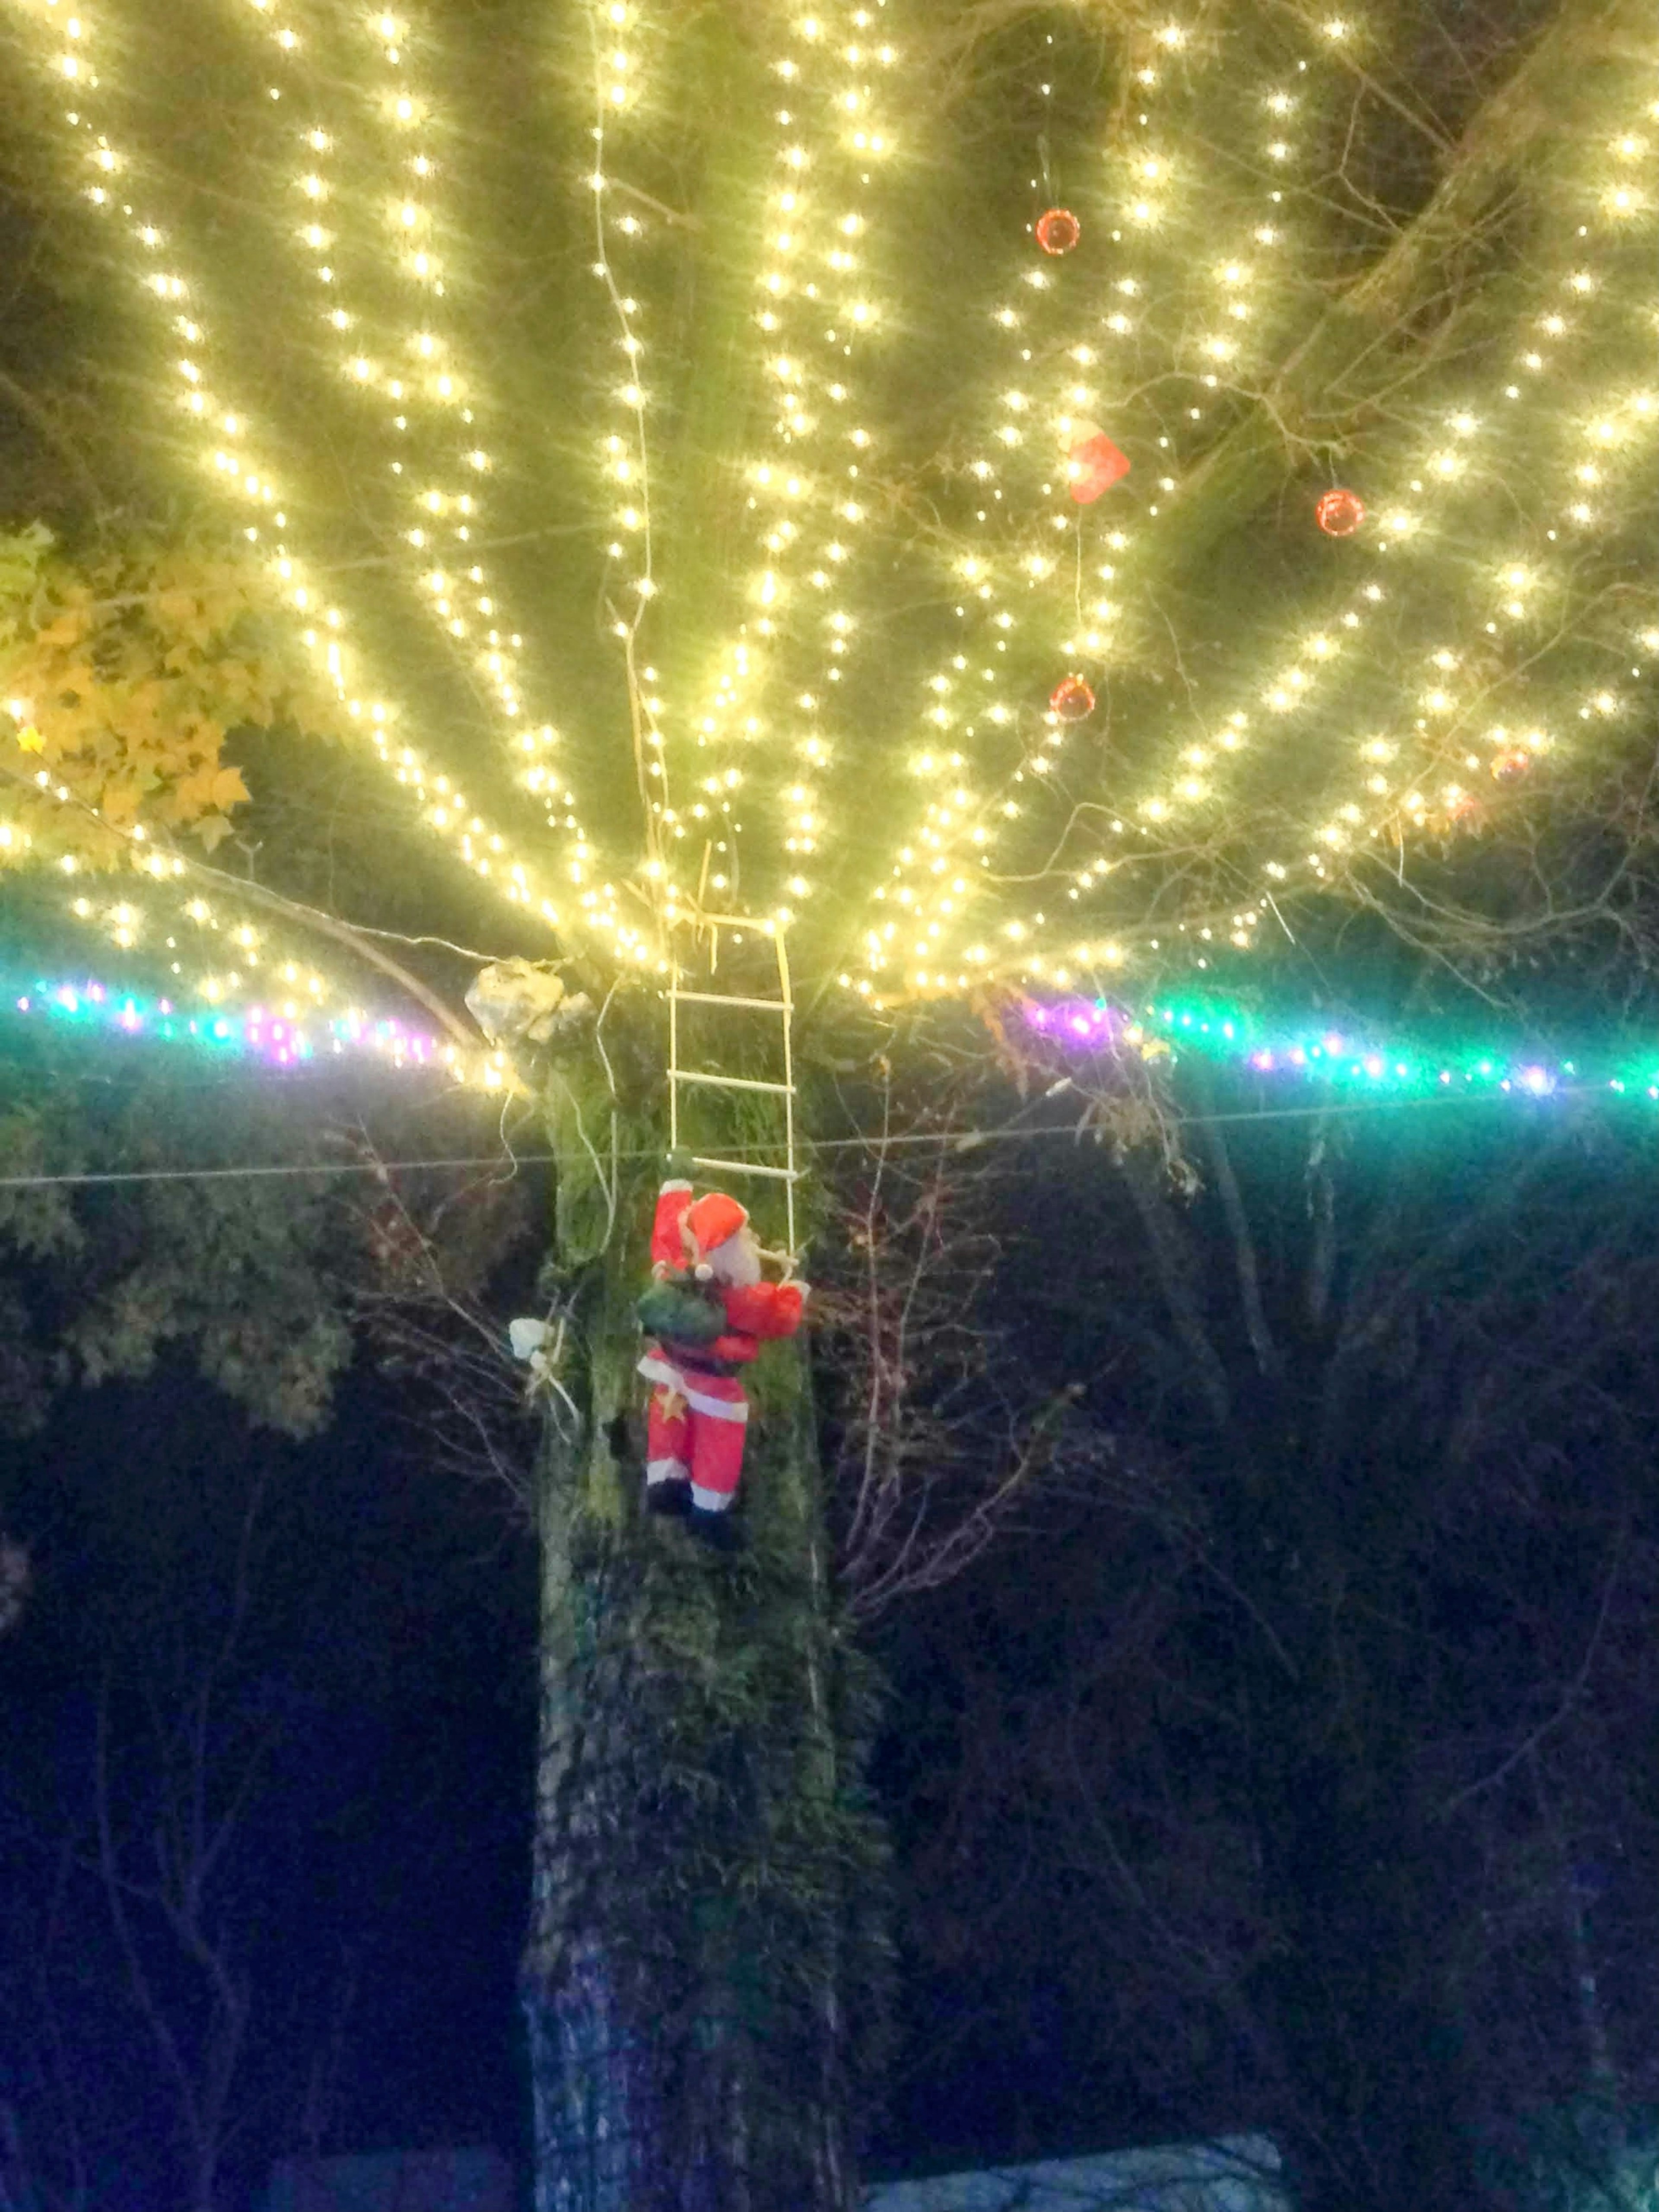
point(656, 1369)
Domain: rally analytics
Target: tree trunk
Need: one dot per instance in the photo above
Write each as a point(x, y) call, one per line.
point(701, 1957)
point(1357, 1989)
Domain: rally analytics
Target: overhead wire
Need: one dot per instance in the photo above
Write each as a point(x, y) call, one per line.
point(953, 1141)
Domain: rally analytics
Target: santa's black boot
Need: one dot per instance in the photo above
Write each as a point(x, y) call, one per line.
point(668, 1498)
point(718, 1530)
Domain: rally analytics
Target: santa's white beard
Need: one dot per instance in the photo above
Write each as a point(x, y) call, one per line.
point(737, 1262)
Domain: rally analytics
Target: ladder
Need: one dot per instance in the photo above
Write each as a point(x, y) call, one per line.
point(681, 1078)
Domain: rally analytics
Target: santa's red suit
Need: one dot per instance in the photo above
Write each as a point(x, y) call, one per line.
point(698, 1412)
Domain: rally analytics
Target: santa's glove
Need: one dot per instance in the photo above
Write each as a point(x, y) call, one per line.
point(681, 1165)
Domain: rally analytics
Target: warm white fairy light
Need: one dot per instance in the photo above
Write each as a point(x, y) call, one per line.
point(228, 453)
point(770, 711)
point(219, 953)
point(426, 404)
point(1524, 586)
point(1035, 583)
point(618, 226)
point(1446, 467)
point(938, 880)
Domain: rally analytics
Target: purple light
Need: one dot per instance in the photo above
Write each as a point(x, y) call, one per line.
point(1537, 1080)
point(1081, 1025)
point(1373, 1063)
point(1263, 1060)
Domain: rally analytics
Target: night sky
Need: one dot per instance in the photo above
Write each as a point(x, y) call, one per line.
point(378, 1698)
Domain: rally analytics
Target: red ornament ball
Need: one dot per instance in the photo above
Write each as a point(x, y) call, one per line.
point(1071, 699)
point(1058, 230)
point(1338, 512)
point(1511, 764)
point(1093, 462)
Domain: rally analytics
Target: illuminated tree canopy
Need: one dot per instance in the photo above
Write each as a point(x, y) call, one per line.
point(1063, 500)
point(673, 437)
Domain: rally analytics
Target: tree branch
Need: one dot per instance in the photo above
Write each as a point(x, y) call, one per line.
point(355, 940)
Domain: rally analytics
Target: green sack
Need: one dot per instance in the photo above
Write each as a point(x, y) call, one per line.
point(676, 1310)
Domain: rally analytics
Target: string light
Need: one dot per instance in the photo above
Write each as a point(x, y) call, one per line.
point(1442, 473)
point(1350, 1057)
point(771, 727)
point(275, 1037)
point(228, 452)
point(1500, 501)
point(424, 394)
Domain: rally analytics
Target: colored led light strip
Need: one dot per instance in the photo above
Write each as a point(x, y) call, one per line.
point(1350, 1054)
point(258, 1035)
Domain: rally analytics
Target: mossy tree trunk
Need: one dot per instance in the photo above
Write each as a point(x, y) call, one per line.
point(701, 1957)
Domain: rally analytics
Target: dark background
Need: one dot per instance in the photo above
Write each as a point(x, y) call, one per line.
point(1288, 1763)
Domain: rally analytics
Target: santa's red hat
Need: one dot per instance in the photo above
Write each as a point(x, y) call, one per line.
point(709, 1221)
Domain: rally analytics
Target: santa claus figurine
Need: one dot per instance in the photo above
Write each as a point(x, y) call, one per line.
point(705, 1314)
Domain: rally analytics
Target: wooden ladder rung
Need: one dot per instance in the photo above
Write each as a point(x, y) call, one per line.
point(720, 998)
point(747, 1167)
point(733, 1083)
point(782, 1005)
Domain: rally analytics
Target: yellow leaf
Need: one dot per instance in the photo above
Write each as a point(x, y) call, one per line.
point(120, 802)
point(31, 739)
point(228, 789)
point(192, 794)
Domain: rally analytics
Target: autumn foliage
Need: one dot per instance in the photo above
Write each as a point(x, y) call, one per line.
point(123, 676)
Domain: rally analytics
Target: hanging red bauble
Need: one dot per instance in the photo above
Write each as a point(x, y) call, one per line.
point(1093, 462)
point(1511, 764)
point(1338, 512)
point(1058, 230)
point(1071, 699)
